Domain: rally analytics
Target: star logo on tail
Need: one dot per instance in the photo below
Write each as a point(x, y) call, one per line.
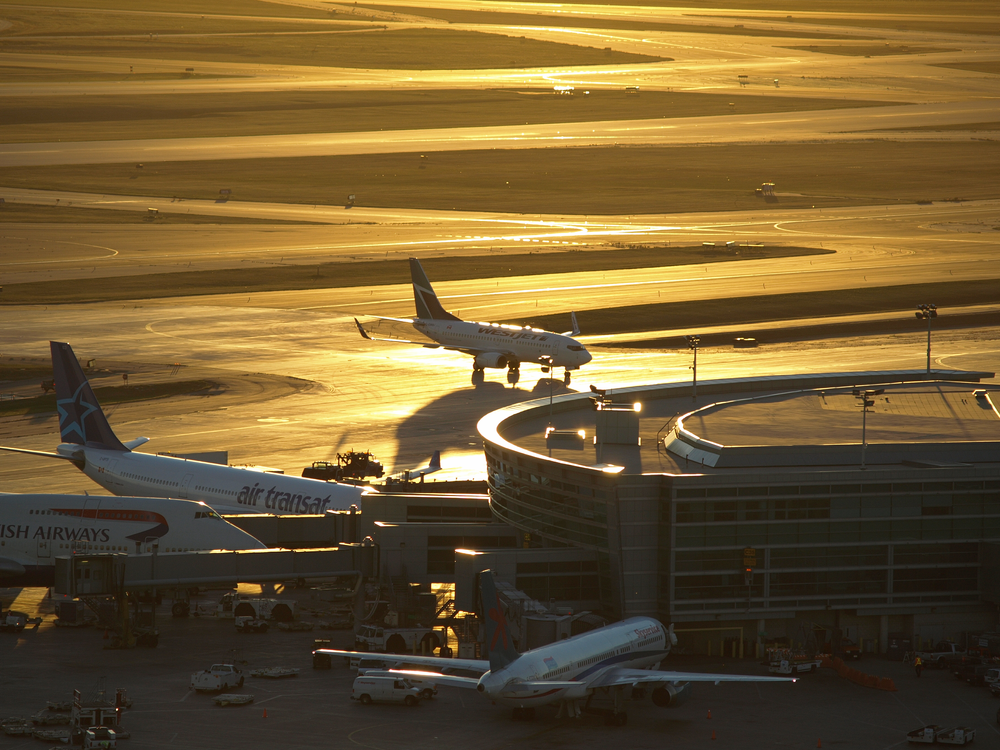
point(73, 413)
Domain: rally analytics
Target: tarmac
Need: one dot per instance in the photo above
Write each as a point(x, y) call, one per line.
point(313, 709)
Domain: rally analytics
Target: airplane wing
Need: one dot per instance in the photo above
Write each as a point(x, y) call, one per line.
point(441, 679)
point(616, 676)
point(396, 330)
point(432, 661)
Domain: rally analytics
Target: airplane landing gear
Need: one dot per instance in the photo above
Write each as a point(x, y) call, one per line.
point(566, 377)
point(513, 375)
point(523, 714)
point(478, 376)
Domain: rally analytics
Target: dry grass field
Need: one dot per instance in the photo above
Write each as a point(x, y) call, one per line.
point(373, 47)
point(639, 180)
point(375, 273)
point(777, 307)
point(106, 117)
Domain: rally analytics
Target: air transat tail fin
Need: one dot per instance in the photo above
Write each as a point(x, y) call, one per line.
point(498, 638)
point(81, 420)
point(426, 301)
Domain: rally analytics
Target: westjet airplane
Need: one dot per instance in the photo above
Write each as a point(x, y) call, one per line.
point(35, 529)
point(491, 344)
point(90, 443)
point(611, 659)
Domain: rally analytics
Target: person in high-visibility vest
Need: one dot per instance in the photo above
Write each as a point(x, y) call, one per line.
point(918, 665)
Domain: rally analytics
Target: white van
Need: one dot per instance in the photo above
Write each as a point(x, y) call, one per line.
point(392, 689)
point(420, 678)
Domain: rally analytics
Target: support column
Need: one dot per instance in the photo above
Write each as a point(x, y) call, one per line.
point(883, 633)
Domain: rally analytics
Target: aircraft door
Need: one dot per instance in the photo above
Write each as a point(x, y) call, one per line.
point(90, 508)
point(44, 550)
point(182, 491)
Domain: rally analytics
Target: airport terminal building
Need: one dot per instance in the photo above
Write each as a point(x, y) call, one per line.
point(766, 508)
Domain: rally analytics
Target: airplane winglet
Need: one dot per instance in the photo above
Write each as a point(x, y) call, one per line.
point(436, 461)
point(362, 331)
point(576, 326)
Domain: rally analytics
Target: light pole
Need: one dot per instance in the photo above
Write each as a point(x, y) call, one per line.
point(928, 313)
point(867, 399)
point(693, 343)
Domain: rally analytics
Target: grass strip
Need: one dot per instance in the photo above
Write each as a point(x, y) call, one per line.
point(568, 181)
point(776, 307)
point(108, 396)
point(871, 50)
point(373, 273)
point(25, 119)
point(30, 213)
point(549, 18)
point(380, 48)
point(198, 7)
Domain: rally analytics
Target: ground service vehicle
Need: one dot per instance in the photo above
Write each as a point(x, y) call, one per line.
point(99, 737)
point(219, 677)
point(939, 656)
point(388, 689)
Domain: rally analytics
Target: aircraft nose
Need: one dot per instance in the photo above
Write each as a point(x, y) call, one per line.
point(585, 357)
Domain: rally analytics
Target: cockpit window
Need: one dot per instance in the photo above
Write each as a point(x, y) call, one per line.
point(207, 514)
point(574, 347)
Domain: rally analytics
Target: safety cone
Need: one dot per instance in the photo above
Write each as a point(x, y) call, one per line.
point(265, 713)
point(709, 713)
point(819, 742)
point(713, 734)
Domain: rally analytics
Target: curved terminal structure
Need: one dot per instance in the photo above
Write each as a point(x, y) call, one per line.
point(768, 503)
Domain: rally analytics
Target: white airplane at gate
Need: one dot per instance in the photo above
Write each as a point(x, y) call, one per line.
point(490, 344)
point(35, 529)
point(91, 444)
point(569, 673)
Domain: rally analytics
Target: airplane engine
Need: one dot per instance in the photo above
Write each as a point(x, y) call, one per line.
point(490, 359)
point(671, 696)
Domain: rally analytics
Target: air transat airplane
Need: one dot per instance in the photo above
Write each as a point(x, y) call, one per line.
point(606, 660)
point(90, 443)
point(35, 529)
point(491, 344)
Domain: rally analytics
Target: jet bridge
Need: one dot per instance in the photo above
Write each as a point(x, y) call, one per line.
point(109, 574)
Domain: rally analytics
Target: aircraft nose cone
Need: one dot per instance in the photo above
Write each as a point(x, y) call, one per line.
point(585, 357)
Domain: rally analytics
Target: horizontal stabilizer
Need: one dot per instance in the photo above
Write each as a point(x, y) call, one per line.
point(47, 454)
point(135, 443)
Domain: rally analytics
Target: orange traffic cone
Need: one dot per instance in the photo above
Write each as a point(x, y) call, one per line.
point(819, 742)
point(713, 734)
point(265, 713)
point(709, 713)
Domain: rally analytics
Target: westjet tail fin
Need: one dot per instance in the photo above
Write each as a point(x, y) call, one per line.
point(498, 639)
point(80, 417)
point(426, 301)
point(576, 326)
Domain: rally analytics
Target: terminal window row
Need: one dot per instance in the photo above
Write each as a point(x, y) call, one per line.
point(812, 532)
point(723, 511)
point(875, 555)
point(837, 489)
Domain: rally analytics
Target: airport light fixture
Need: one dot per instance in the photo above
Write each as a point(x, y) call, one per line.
point(693, 343)
point(928, 313)
point(867, 400)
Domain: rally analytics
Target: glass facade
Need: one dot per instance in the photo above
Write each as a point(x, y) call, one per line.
point(818, 545)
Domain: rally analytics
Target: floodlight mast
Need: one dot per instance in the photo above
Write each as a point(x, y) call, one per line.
point(928, 313)
point(867, 400)
point(693, 343)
